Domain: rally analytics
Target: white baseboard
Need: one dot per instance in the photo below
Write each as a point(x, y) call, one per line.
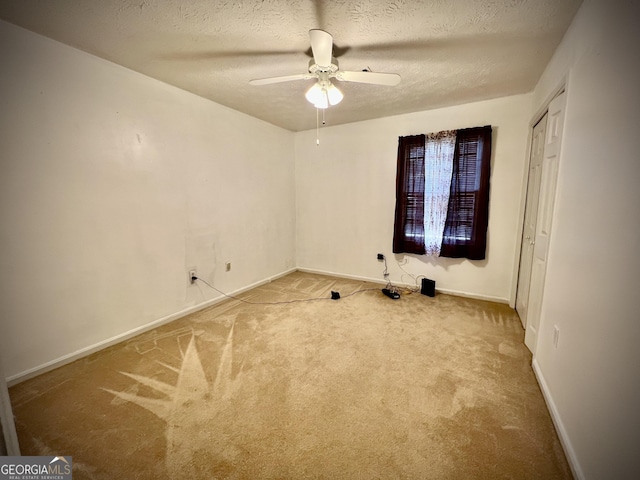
point(477, 296)
point(65, 359)
point(557, 421)
point(342, 275)
point(407, 285)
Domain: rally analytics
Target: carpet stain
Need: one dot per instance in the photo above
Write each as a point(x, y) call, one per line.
point(190, 409)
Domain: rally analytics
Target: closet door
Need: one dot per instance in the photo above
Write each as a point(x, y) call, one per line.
point(553, 139)
point(530, 216)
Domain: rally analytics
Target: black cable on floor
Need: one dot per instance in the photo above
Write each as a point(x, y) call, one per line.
point(283, 302)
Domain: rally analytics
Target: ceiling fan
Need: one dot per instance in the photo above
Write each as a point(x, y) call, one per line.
point(323, 67)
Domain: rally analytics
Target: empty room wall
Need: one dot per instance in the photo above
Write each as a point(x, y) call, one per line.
point(113, 185)
point(346, 197)
point(591, 379)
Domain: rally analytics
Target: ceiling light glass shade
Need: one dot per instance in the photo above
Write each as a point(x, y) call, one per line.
point(322, 96)
point(318, 96)
point(335, 95)
point(323, 101)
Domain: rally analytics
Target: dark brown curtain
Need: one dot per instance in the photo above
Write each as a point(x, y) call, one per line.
point(408, 231)
point(465, 231)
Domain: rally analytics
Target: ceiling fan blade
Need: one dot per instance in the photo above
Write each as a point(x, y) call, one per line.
point(286, 78)
point(322, 47)
point(375, 78)
point(338, 51)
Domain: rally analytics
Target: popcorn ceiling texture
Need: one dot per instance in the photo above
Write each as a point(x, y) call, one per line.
point(360, 388)
point(447, 52)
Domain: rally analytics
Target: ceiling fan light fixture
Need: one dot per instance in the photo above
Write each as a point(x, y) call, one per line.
point(323, 103)
point(321, 95)
point(317, 95)
point(335, 96)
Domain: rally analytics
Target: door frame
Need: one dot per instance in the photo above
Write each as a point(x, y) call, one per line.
point(8, 436)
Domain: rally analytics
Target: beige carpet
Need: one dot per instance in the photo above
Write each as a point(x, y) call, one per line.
point(364, 387)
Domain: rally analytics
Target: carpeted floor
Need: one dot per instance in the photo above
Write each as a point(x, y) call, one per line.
point(363, 387)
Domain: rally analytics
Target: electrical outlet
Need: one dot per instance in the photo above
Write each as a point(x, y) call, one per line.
point(192, 275)
point(227, 266)
point(380, 256)
point(556, 335)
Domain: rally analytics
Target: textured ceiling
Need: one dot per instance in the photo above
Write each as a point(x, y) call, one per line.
point(447, 52)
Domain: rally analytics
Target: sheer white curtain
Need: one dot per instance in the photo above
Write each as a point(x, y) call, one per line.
point(438, 157)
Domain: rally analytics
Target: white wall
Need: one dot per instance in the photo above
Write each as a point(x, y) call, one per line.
point(346, 197)
point(592, 379)
point(112, 186)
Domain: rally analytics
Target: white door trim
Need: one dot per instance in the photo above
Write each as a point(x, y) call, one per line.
point(9, 441)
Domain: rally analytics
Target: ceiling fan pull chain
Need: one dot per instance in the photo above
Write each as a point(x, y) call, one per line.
point(317, 127)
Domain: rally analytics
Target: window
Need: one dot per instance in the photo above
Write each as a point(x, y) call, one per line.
point(437, 212)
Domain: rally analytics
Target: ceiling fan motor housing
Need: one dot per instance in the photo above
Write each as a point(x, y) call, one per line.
point(331, 69)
